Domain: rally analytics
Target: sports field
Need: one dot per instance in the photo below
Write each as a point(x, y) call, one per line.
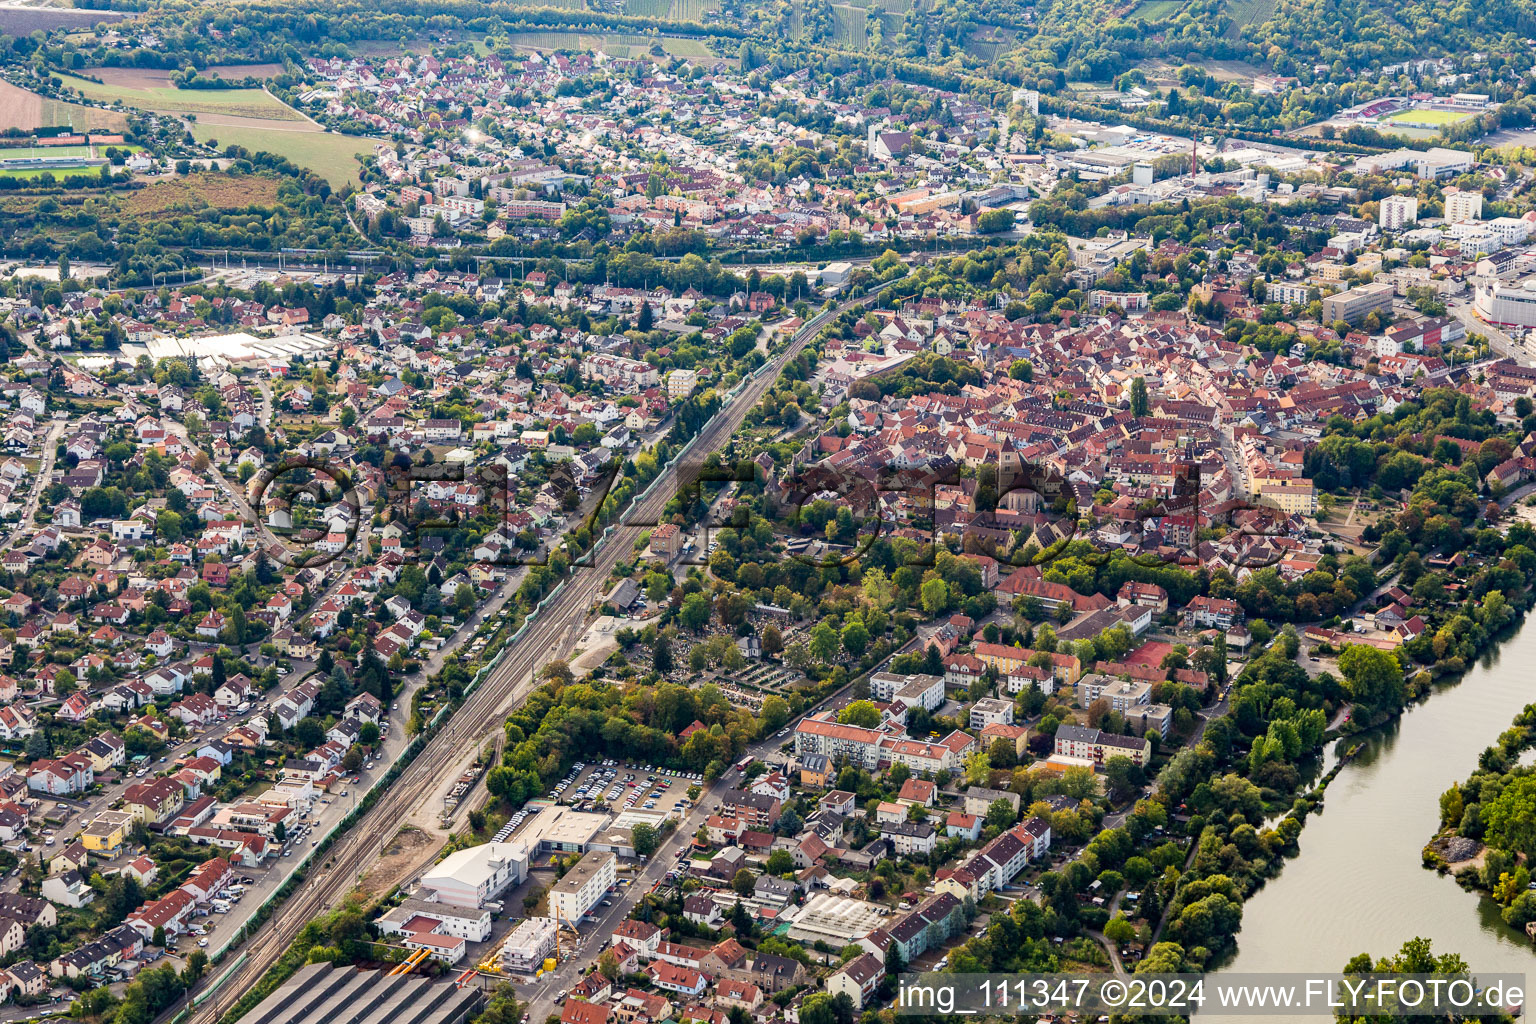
point(1428, 118)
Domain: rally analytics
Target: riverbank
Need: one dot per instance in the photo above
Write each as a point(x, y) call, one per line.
point(1480, 807)
point(1357, 883)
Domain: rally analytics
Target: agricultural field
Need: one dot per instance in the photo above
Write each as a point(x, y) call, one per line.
point(1249, 12)
point(193, 192)
point(157, 78)
point(647, 8)
point(18, 22)
point(333, 156)
point(136, 87)
point(692, 10)
point(1155, 10)
point(850, 26)
point(990, 42)
point(26, 110)
point(615, 44)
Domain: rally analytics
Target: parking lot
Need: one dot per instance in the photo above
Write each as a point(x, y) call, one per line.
point(624, 787)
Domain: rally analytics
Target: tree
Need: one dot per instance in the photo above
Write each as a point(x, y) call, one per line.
point(934, 595)
point(774, 714)
point(1122, 777)
point(694, 614)
point(780, 862)
point(824, 642)
point(773, 642)
point(999, 814)
point(743, 882)
point(855, 638)
point(197, 966)
point(1510, 818)
point(608, 965)
point(159, 936)
point(816, 1008)
point(503, 1007)
point(1139, 403)
point(1119, 930)
point(1372, 677)
point(645, 838)
point(861, 713)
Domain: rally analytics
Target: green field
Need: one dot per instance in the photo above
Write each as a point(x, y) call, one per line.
point(164, 100)
point(1156, 10)
point(1429, 118)
point(332, 156)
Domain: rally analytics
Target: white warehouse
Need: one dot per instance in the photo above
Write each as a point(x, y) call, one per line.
point(476, 876)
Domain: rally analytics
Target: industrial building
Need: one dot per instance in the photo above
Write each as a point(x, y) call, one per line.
point(470, 923)
point(476, 876)
point(836, 920)
point(558, 828)
point(529, 945)
point(324, 994)
point(217, 351)
point(579, 890)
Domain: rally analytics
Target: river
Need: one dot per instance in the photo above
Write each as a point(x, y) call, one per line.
point(1358, 885)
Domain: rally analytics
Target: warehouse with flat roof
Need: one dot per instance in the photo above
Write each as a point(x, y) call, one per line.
point(836, 920)
point(324, 994)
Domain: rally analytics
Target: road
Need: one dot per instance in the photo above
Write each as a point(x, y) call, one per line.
point(25, 526)
point(1501, 343)
point(546, 636)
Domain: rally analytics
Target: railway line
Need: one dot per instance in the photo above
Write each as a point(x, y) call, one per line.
point(546, 636)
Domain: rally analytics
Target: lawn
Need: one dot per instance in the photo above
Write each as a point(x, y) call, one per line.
point(332, 156)
point(168, 100)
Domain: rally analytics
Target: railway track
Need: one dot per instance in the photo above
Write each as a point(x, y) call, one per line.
point(547, 635)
